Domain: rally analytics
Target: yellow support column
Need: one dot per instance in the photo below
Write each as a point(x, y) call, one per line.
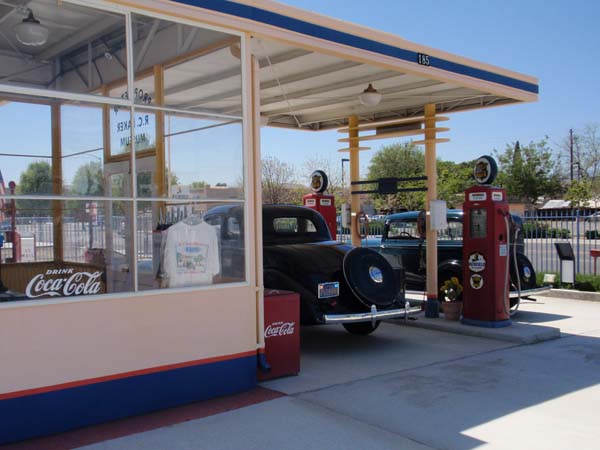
point(354, 176)
point(432, 306)
point(57, 181)
point(159, 98)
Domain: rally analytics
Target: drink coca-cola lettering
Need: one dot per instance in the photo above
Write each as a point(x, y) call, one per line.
point(279, 329)
point(76, 283)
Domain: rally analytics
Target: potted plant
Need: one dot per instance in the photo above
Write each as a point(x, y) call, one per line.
point(452, 302)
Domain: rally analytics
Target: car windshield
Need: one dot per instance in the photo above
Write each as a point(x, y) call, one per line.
point(407, 229)
point(293, 225)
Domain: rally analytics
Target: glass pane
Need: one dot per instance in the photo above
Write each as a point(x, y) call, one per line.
point(67, 248)
point(403, 230)
point(187, 244)
point(76, 49)
point(201, 69)
point(202, 158)
point(68, 159)
point(25, 157)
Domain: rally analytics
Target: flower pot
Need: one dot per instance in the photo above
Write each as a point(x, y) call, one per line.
point(452, 310)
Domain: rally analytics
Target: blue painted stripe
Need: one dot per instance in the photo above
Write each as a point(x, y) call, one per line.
point(321, 32)
point(59, 411)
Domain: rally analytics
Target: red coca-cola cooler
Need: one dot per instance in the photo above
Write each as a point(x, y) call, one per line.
point(282, 334)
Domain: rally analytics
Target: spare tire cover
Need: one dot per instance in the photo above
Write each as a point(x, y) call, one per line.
point(370, 277)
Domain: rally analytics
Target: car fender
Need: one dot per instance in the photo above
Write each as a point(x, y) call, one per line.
point(309, 310)
point(450, 265)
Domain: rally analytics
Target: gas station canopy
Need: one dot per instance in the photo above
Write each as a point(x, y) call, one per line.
point(312, 68)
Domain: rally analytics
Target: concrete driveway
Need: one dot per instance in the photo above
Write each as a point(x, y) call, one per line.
point(411, 388)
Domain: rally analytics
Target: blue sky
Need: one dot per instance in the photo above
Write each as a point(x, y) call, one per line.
point(555, 41)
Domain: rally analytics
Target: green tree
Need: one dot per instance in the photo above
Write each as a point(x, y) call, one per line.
point(529, 172)
point(578, 193)
point(88, 180)
point(35, 180)
point(453, 179)
point(199, 184)
point(399, 160)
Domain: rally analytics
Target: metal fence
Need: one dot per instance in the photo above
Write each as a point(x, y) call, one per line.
point(542, 229)
point(79, 236)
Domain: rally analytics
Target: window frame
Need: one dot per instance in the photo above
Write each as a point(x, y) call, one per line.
point(43, 96)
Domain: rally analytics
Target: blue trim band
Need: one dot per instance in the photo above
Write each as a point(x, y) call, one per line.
point(488, 323)
point(59, 411)
point(321, 32)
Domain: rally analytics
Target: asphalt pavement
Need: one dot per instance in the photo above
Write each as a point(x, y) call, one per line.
point(407, 387)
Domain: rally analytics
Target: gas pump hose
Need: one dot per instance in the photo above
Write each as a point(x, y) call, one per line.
point(514, 311)
point(507, 276)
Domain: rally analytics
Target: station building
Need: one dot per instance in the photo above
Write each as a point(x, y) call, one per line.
point(116, 117)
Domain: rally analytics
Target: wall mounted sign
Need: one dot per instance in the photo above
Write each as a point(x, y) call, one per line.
point(476, 281)
point(476, 262)
point(485, 170)
point(68, 283)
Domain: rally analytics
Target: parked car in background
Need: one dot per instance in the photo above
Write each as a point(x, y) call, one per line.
point(593, 217)
point(403, 244)
point(337, 283)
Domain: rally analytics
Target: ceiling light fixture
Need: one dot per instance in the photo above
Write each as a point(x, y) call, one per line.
point(31, 32)
point(370, 97)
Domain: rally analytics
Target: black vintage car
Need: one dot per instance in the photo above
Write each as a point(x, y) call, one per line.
point(337, 283)
point(402, 240)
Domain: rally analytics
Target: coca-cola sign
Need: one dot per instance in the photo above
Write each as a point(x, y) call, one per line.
point(279, 329)
point(72, 283)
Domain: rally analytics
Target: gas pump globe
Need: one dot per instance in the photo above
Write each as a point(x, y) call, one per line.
point(486, 250)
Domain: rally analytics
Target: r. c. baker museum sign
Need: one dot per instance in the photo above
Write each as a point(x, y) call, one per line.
point(73, 283)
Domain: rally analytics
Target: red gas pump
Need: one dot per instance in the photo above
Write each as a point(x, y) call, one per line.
point(323, 203)
point(486, 250)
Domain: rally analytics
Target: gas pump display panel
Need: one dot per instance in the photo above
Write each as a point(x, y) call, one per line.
point(478, 228)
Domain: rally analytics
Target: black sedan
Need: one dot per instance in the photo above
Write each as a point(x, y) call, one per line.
point(337, 283)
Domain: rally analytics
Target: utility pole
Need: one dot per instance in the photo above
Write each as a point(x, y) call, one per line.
point(571, 150)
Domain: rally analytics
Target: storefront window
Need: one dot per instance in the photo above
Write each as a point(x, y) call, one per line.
point(119, 194)
point(82, 49)
point(65, 248)
point(193, 244)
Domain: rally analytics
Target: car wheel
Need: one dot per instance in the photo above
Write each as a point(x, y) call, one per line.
point(360, 328)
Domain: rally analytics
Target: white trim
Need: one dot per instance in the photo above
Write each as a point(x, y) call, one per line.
point(188, 112)
point(63, 95)
point(133, 175)
point(65, 198)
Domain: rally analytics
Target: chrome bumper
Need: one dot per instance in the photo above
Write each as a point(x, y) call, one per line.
point(528, 292)
point(373, 316)
point(420, 295)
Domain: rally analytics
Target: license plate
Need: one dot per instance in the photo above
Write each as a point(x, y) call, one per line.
point(327, 290)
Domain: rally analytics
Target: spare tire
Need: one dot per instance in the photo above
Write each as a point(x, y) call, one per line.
point(370, 277)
